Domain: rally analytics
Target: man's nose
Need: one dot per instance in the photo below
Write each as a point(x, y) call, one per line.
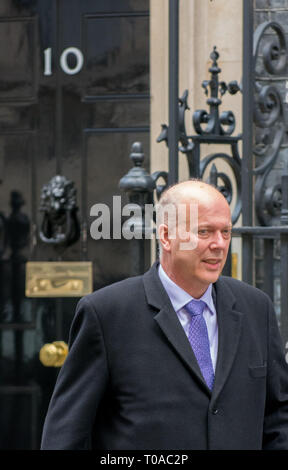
point(218, 241)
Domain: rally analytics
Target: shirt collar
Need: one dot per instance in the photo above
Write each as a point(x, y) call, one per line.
point(179, 297)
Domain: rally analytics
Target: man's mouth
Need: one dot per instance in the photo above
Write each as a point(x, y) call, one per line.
point(213, 262)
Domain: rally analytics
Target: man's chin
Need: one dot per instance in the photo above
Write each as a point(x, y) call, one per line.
point(212, 277)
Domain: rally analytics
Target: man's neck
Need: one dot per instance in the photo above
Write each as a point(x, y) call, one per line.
point(195, 289)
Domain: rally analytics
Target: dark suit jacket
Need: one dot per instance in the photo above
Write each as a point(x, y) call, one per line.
point(131, 381)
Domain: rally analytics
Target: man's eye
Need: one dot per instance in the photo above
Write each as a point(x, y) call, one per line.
point(226, 233)
point(203, 231)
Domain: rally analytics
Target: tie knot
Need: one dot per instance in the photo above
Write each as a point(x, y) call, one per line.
point(195, 307)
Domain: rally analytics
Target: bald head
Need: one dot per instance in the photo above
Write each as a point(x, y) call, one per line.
point(192, 190)
point(189, 192)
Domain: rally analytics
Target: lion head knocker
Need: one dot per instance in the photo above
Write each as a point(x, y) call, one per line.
point(60, 226)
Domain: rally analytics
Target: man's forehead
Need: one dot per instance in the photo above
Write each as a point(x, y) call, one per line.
point(204, 194)
point(204, 204)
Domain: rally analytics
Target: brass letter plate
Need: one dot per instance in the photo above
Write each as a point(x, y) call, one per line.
point(58, 279)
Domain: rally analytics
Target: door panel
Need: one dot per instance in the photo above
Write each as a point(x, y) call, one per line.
point(119, 65)
point(19, 67)
point(74, 96)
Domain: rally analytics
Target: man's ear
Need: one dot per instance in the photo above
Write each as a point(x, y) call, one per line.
point(163, 234)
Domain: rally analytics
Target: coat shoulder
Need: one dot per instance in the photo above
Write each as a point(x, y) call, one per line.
point(120, 293)
point(241, 288)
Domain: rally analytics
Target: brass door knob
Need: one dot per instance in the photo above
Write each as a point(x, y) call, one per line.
point(53, 354)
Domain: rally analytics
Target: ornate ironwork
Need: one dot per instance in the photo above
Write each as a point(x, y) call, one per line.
point(218, 129)
point(60, 226)
point(269, 120)
point(215, 123)
point(138, 184)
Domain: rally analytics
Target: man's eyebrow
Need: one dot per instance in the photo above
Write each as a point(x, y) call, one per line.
point(209, 225)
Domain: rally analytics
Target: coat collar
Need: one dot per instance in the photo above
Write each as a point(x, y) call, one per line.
point(229, 327)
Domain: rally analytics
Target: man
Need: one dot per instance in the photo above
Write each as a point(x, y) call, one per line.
point(146, 370)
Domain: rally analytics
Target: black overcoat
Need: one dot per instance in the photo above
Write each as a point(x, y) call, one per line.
point(131, 380)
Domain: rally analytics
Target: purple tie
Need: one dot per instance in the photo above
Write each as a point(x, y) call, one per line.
point(198, 337)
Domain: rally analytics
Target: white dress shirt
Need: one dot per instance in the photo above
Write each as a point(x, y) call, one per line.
point(179, 298)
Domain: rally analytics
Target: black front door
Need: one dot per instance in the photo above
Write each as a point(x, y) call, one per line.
point(74, 96)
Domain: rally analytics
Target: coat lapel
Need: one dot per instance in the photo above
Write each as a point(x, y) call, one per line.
point(168, 322)
point(172, 329)
point(229, 331)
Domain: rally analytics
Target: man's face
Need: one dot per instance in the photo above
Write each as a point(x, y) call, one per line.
point(202, 265)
